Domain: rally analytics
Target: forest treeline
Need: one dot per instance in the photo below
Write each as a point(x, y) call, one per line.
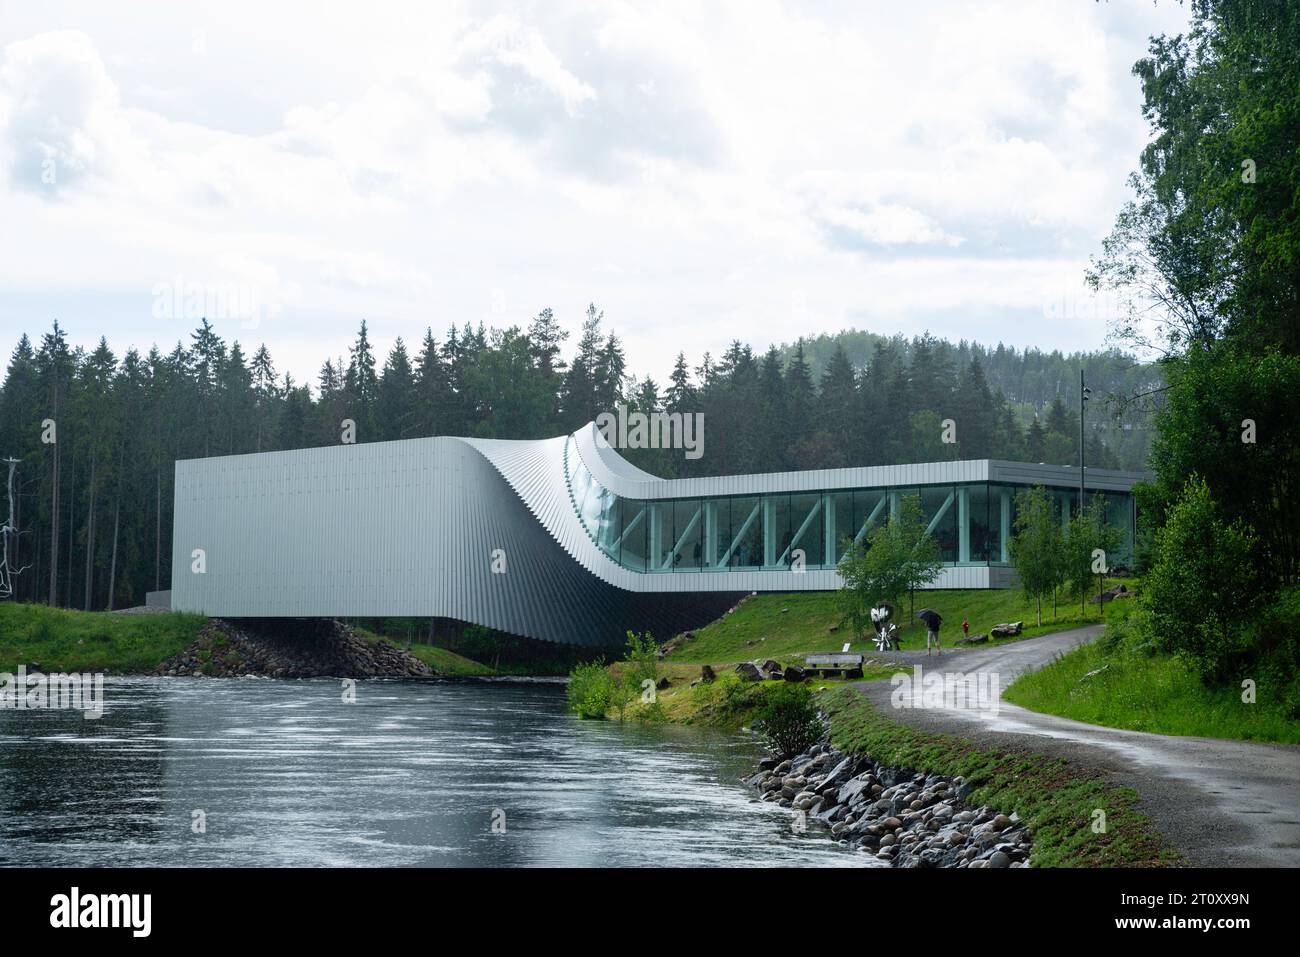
point(96, 434)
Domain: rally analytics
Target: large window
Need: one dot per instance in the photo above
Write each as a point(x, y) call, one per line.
point(972, 523)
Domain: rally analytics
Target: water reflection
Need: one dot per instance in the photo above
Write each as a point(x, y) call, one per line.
point(286, 774)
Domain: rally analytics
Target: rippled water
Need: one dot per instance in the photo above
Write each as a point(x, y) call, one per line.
point(410, 774)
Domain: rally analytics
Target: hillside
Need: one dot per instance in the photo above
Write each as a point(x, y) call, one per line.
point(788, 625)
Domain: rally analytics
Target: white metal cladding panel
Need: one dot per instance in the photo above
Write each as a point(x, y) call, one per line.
point(1065, 476)
point(408, 528)
point(291, 532)
point(602, 462)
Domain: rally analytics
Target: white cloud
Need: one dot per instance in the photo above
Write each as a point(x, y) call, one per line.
point(889, 224)
point(58, 111)
point(694, 169)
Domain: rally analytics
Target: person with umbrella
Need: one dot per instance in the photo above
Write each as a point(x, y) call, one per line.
point(932, 621)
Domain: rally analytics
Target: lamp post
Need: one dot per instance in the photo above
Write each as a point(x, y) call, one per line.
point(1084, 394)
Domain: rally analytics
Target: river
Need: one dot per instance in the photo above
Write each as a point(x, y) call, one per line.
point(255, 772)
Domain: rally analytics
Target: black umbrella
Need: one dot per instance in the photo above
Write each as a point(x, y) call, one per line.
point(930, 617)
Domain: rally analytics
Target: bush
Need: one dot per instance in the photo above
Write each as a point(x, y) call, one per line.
point(789, 721)
point(1128, 625)
point(592, 690)
point(1202, 588)
point(641, 661)
point(1274, 660)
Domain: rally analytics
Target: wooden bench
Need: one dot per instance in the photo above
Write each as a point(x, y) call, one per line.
point(835, 666)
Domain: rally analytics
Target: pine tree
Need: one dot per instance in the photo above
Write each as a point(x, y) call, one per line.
point(395, 401)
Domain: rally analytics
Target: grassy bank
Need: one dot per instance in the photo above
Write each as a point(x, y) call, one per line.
point(726, 702)
point(1057, 801)
point(441, 660)
point(1124, 683)
point(792, 625)
point(58, 639)
point(61, 640)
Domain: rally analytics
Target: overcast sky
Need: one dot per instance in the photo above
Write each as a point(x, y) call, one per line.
point(701, 171)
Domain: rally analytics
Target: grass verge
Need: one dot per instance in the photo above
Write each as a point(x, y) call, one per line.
point(1058, 801)
point(1148, 692)
point(60, 640)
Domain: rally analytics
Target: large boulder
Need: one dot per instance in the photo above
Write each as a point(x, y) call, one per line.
point(706, 673)
point(794, 673)
point(1008, 630)
point(852, 789)
point(749, 671)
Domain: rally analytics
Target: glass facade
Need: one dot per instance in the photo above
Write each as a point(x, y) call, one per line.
point(972, 522)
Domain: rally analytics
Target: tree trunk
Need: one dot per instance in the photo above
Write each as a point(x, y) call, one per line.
point(72, 524)
point(157, 535)
point(90, 536)
point(54, 520)
point(112, 568)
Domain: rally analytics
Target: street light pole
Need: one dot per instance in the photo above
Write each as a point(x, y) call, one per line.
point(1084, 394)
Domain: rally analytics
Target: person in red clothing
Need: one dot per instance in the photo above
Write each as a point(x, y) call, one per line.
point(965, 627)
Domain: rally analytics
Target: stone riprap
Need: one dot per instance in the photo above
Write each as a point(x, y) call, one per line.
point(906, 817)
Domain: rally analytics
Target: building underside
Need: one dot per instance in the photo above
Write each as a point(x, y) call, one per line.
point(562, 539)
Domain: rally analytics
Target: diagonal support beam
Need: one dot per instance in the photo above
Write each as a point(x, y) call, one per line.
point(938, 516)
point(794, 542)
point(875, 514)
point(726, 556)
point(627, 529)
point(690, 527)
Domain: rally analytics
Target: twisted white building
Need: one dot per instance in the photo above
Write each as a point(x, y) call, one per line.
point(562, 539)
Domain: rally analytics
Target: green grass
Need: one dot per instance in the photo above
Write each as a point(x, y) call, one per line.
point(1056, 800)
point(792, 625)
point(66, 641)
point(1148, 692)
point(727, 702)
point(447, 662)
point(441, 660)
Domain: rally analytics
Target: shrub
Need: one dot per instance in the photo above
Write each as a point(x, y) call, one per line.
point(1202, 587)
point(789, 721)
point(1128, 626)
point(641, 661)
point(592, 690)
point(1274, 661)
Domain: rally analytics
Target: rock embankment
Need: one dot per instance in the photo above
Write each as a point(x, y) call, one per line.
point(906, 817)
point(291, 648)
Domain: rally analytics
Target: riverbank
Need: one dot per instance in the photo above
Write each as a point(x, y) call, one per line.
point(1075, 818)
point(291, 648)
point(140, 642)
point(904, 817)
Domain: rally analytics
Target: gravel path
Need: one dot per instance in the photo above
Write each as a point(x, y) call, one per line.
point(1222, 803)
